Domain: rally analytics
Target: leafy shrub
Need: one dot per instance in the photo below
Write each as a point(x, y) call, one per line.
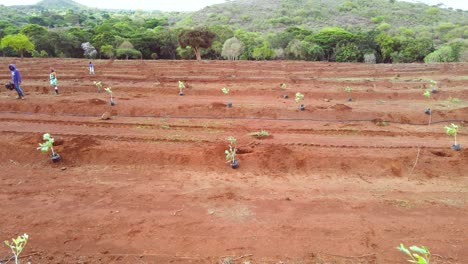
point(261, 133)
point(348, 52)
point(444, 54)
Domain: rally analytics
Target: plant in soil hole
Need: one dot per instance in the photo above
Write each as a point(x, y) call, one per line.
point(419, 255)
point(348, 90)
point(181, 88)
point(284, 86)
point(452, 130)
point(261, 133)
point(98, 86)
point(109, 90)
point(226, 92)
point(48, 144)
point(17, 245)
point(299, 97)
point(231, 153)
point(433, 86)
point(428, 110)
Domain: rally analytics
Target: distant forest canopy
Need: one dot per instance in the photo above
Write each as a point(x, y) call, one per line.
point(372, 31)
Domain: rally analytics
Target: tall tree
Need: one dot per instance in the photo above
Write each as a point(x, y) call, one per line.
point(18, 42)
point(232, 49)
point(126, 49)
point(108, 50)
point(167, 40)
point(196, 39)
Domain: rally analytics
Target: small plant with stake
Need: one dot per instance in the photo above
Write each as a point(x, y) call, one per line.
point(299, 97)
point(428, 110)
point(181, 88)
point(44, 147)
point(419, 255)
point(284, 86)
point(433, 86)
point(98, 86)
point(452, 130)
point(231, 153)
point(17, 246)
point(226, 92)
point(109, 90)
point(348, 90)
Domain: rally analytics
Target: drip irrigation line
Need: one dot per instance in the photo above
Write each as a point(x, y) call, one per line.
point(249, 118)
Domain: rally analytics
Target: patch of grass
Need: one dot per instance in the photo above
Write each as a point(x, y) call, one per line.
point(165, 126)
point(400, 203)
point(382, 123)
point(261, 133)
point(208, 124)
point(454, 100)
point(144, 127)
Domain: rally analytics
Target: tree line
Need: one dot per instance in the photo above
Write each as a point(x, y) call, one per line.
point(138, 36)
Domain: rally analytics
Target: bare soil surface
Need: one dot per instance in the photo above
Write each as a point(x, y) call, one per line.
point(340, 182)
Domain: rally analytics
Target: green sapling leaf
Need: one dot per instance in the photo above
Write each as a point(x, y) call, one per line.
point(49, 142)
point(231, 152)
point(46, 136)
point(403, 249)
point(181, 85)
point(348, 89)
point(427, 93)
point(419, 250)
point(225, 90)
point(451, 130)
point(299, 97)
point(108, 89)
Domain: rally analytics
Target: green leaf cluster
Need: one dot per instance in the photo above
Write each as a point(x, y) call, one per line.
point(48, 143)
point(451, 130)
point(299, 97)
point(17, 245)
point(231, 152)
point(419, 255)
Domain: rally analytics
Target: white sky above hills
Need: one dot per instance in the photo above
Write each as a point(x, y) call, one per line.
point(191, 5)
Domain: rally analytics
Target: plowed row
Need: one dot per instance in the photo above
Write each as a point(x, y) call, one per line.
point(341, 182)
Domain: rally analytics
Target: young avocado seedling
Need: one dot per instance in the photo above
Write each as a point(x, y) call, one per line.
point(109, 90)
point(348, 90)
point(452, 130)
point(428, 110)
point(181, 88)
point(17, 245)
point(231, 153)
point(433, 86)
point(299, 97)
point(284, 86)
point(98, 86)
point(48, 144)
point(226, 92)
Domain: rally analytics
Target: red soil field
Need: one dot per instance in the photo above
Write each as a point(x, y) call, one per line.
point(341, 182)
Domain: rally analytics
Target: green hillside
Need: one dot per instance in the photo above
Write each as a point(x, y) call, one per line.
point(386, 31)
point(276, 15)
point(60, 4)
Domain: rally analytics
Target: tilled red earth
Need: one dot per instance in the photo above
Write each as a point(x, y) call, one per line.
point(341, 182)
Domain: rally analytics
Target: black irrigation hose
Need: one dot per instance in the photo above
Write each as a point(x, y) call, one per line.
point(252, 118)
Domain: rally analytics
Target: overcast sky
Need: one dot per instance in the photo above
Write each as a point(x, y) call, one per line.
point(190, 5)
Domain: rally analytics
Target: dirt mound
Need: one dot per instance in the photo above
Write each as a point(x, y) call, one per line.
point(341, 107)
